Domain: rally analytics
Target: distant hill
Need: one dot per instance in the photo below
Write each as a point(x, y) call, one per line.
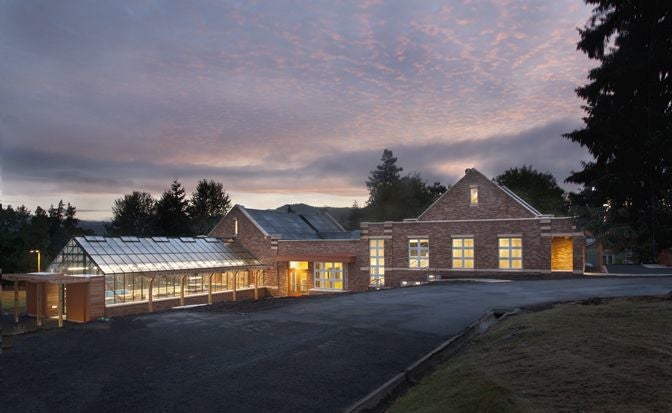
point(340, 214)
point(98, 227)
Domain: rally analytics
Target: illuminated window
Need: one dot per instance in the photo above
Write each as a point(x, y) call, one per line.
point(377, 262)
point(329, 275)
point(235, 226)
point(510, 253)
point(463, 253)
point(418, 253)
point(474, 195)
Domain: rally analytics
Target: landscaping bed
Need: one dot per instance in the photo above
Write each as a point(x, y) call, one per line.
point(594, 355)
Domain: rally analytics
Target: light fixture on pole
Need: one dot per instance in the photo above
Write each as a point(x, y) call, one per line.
point(39, 259)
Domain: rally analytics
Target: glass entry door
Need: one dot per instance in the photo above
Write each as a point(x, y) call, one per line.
point(298, 277)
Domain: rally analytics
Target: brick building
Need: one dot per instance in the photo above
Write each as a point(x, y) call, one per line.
point(475, 229)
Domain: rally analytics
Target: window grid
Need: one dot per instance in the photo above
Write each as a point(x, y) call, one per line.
point(377, 262)
point(418, 253)
point(329, 275)
point(463, 253)
point(510, 253)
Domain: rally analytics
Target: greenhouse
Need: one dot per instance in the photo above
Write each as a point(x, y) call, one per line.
point(154, 269)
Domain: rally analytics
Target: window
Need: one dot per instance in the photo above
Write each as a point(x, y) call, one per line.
point(474, 195)
point(463, 253)
point(418, 253)
point(329, 275)
point(235, 226)
point(377, 262)
point(510, 253)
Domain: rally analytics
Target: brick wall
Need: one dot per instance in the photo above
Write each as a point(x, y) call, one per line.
point(260, 245)
point(536, 236)
point(313, 247)
point(492, 201)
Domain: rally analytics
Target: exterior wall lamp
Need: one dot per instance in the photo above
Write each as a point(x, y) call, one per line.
point(39, 259)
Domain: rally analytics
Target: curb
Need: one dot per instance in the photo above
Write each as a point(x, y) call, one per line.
point(412, 374)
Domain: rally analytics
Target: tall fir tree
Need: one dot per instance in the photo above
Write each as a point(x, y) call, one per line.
point(172, 218)
point(628, 123)
point(383, 185)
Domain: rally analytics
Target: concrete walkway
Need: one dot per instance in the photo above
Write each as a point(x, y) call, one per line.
point(288, 355)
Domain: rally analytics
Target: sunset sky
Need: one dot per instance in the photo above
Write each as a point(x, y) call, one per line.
point(281, 101)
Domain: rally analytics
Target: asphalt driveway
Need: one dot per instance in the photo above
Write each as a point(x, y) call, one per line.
point(284, 355)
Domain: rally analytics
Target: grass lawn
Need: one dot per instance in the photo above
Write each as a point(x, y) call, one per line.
point(600, 356)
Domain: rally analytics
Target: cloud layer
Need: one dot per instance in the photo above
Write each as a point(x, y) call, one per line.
point(280, 99)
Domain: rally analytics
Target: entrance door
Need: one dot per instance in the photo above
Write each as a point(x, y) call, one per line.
point(562, 256)
point(298, 277)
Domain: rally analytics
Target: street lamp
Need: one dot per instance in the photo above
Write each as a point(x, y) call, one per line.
point(39, 259)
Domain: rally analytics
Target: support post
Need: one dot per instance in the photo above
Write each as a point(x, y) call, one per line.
point(235, 281)
point(150, 306)
point(256, 285)
point(38, 299)
point(210, 288)
point(60, 305)
point(16, 301)
point(184, 277)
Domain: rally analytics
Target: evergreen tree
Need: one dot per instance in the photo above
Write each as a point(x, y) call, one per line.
point(629, 122)
point(209, 203)
point(393, 197)
point(172, 218)
point(540, 190)
point(134, 214)
point(47, 231)
point(356, 216)
point(383, 185)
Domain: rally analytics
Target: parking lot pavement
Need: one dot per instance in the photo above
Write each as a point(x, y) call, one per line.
point(306, 354)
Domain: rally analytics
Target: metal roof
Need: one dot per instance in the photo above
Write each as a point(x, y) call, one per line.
point(123, 255)
point(293, 226)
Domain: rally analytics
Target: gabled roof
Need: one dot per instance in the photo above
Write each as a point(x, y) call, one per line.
point(124, 255)
point(475, 174)
point(293, 226)
point(520, 200)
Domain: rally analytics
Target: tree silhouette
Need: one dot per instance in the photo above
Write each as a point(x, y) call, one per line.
point(628, 122)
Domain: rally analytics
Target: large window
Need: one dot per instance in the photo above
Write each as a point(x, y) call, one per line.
point(124, 288)
point(127, 288)
point(220, 281)
point(463, 253)
point(73, 260)
point(418, 253)
point(377, 262)
point(329, 275)
point(510, 253)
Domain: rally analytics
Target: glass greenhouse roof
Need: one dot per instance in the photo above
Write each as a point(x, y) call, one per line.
point(119, 255)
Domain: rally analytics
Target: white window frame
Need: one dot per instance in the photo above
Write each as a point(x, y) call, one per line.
point(473, 195)
point(416, 259)
point(463, 254)
point(376, 262)
point(508, 252)
point(327, 274)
